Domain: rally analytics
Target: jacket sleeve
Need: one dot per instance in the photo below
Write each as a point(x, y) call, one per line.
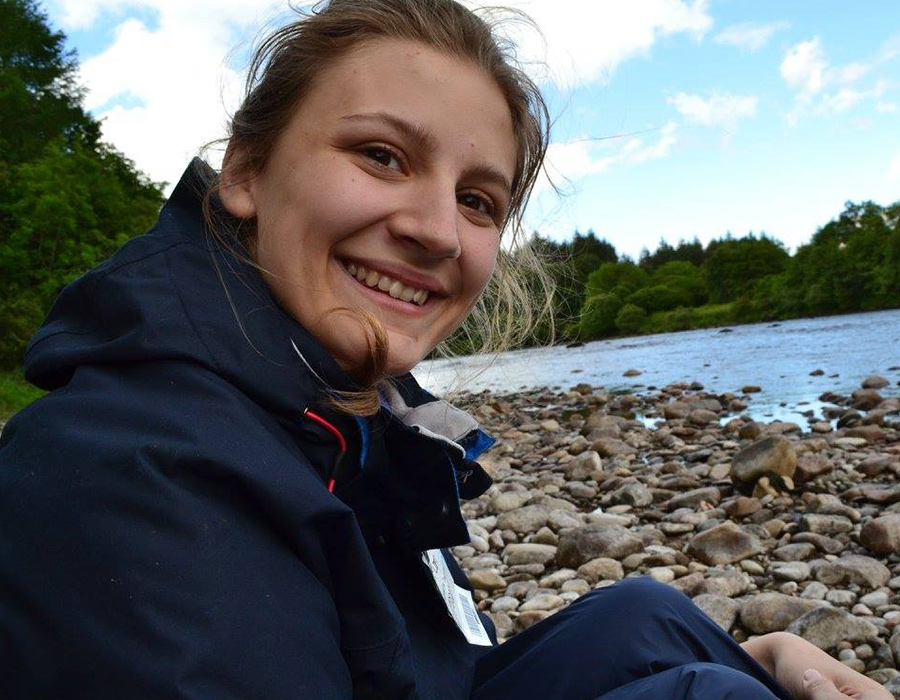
point(169, 544)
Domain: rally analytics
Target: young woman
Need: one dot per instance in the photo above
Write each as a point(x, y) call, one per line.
point(236, 490)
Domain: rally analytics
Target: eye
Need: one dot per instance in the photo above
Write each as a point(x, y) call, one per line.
point(383, 156)
point(479, 203)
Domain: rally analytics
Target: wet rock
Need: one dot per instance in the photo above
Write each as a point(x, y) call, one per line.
point(866, 399)
point(580, 545)
point(826, 627)
point(773, 454)
point(875, 382)
point(723, 544)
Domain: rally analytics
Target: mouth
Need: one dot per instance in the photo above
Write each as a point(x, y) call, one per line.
point(385, 284)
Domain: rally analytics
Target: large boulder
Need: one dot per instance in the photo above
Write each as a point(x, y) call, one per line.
point(721, 609)
point(723, 544)
point(771, 455)
point(826, 627)
point(882, 535)
point(592, 541)
point(773, 612)
point(524, 520)
point(528, 553)
point(853, 568)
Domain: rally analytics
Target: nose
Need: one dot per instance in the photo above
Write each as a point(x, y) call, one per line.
point(430, 222)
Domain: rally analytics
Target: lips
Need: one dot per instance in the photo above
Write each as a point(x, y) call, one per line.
point(386, 284)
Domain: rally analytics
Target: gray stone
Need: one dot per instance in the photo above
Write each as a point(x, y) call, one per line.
point(584, 465)
point(693, 499)
point(632, 495)
point(825, 524)
point(826, 627)
point(853, 568)
point(773, 454)
point(528, 553)
point(791, 571)
point(723, 544)
point(585, 543)
point(882, 535)
point(524, 520)
point(722, 610)
point(542, 601)
point(773, 612)
point(486, 580)
point(601, 569)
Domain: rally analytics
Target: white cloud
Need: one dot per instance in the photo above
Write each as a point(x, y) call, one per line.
point(825, 89)
point(162, 91)
point(893, 173)
point(586, 40)
point(749, 35)
point(804, 66)
point(886, 107)
point(572, 161)
point(722, 110)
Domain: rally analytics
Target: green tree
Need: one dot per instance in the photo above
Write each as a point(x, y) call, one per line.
point(40, 100)
point(598, 315)
point(630, 318)
point(67, 200)
point(734, 266)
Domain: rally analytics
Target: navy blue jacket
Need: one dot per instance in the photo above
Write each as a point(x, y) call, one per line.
point(165, 527)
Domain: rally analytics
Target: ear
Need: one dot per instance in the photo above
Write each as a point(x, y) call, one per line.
point(236, 190)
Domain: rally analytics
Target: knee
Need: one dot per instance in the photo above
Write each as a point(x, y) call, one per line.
point(639, 595)
point(700, 681)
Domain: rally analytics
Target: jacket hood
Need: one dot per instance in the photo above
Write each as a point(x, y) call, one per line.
point(175, 294)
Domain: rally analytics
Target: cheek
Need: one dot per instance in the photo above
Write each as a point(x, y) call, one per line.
point(482, 258)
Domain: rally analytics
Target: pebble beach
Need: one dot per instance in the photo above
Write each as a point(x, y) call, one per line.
point(766, 526)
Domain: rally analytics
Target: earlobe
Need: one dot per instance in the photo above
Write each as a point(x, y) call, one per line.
point(236, 189)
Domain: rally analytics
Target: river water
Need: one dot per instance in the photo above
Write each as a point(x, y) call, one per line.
point(778, 357)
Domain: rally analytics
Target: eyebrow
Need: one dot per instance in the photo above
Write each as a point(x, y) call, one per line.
point(425, 140)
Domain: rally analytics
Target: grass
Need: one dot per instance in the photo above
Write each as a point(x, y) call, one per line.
point(682, 319)
point(15, 392)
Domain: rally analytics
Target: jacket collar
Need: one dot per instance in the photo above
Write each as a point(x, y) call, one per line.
point(410, 493)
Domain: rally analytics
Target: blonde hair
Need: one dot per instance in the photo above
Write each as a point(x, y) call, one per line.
point(283, 70)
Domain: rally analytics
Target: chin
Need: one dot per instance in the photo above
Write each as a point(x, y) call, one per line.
point(403, 355)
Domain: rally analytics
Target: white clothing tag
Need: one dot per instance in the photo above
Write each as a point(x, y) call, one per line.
point(457, 599)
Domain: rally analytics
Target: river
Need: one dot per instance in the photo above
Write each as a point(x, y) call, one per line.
point(778, 357)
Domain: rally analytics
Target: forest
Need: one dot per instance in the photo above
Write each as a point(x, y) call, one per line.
point(68, 200)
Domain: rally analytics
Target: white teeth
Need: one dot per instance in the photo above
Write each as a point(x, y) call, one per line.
point(395, 288)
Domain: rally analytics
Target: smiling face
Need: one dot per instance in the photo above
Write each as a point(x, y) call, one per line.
point(385, 193)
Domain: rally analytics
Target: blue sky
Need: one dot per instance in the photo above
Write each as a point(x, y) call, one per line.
point(674, 118)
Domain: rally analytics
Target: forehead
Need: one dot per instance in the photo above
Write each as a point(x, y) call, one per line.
point(453, 98)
